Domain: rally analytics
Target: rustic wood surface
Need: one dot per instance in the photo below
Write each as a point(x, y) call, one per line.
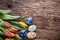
point(46, 14)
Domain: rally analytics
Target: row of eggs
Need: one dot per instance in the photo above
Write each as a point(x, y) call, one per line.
point(31, 34)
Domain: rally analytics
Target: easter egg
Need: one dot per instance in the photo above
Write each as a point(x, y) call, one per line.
point(29, 20)
point(31, 35)
point(22, 32)
point(32, 28)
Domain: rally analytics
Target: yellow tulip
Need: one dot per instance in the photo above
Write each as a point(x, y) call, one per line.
point(23, 24)
point(7, 39)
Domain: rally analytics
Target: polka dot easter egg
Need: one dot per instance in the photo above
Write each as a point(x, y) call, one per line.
point(32, 28)
point(31, 35)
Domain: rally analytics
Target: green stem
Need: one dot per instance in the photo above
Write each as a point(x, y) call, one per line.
point(18, 37)
point(1, 28)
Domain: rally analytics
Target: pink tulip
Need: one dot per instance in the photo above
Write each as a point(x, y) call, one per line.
point(8, 25)
point(7, 33)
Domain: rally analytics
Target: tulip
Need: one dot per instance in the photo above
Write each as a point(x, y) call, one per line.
point(18, 24)
point(8, 25)
point(8, 33)
point(14, 30)
point(23, 24)
point(29, 20)
point(7, 39)
point(22, 32)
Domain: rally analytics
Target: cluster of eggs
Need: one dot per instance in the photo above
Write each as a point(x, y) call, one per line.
point(31, 34)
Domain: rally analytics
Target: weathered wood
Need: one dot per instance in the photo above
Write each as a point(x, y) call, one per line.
point(46, 14)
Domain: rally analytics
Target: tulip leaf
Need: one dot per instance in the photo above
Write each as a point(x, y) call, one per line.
point(16, 27)
point(9, 17)
point(12, 39)
point(1, 33)
point(18, 37)
point(1, 22)
point(1, 38)
point(5, 12)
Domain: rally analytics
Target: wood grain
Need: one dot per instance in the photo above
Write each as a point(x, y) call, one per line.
point(46, 14)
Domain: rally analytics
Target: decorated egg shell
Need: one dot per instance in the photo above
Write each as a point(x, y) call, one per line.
point(32, 28)
point(29, 20)
point(31, 35)
point(22, 32)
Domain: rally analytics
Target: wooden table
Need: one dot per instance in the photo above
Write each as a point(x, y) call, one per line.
point(46, 14)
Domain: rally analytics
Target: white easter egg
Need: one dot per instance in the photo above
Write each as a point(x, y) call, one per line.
point(31, 35)
point(32, 28)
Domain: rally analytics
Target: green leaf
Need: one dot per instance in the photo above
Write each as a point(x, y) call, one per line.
point(21, 17)
point(6, 15)
point(12, 39)
point(18, 37)
point(1, 22)
point(1, 33)
point(5, 12)
point(16, 27)
point(1, 38)
point(9, 17)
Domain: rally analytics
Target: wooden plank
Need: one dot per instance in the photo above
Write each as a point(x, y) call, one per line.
point(46, 14)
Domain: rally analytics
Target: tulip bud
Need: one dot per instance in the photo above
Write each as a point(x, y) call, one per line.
point(22, 32)
point(7, 33)
point(14, 30)
point(23, 24)
point(8, 25)
point(7, 39)
point(29, 20)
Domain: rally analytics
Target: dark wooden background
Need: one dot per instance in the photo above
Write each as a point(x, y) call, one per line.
point(46, 14)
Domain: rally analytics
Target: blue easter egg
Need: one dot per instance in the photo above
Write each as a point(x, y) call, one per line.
point(22, 32)
point(29, 20)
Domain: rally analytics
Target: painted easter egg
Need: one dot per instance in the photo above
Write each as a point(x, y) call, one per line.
point(29, 20)
point(31, 35)
point(22, 32)
point(32, 28)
